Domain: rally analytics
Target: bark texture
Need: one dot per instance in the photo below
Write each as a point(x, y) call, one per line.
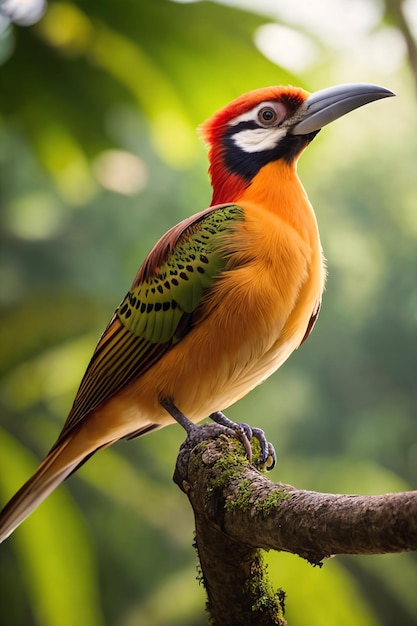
point(239, 512)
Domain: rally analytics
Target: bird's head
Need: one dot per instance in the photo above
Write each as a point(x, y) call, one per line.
point(270, 124)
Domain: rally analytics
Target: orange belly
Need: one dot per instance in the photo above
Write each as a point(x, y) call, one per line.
point(252, 322)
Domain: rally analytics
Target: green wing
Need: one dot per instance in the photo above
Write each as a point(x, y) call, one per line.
point(154, 308)
point(157, 311)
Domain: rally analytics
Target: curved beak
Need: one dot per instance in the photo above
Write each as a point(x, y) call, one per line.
point(327, 105)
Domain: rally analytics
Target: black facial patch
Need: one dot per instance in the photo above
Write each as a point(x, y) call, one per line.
point(247, 164)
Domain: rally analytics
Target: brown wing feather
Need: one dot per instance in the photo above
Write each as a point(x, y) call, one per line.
point(312, 322)
point(120, 355)
point(163, 248)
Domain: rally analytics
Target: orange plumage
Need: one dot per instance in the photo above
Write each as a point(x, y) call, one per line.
point(223, 298)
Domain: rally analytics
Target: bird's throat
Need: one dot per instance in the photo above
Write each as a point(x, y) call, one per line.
point(276, 188)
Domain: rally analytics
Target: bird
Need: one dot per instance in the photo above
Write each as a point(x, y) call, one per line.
point(221, 300)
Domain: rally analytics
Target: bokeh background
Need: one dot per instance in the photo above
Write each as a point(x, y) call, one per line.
point(98, 157)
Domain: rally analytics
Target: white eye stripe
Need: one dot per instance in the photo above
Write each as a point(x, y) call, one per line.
point(259, 139)
point(262, 137)
point(252, 115)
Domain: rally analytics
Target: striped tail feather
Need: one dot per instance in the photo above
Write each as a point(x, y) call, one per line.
point(56, 466)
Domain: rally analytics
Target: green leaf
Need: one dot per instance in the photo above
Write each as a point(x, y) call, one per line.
point(53, 549)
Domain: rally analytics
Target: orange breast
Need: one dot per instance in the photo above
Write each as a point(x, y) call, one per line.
point(254, 318)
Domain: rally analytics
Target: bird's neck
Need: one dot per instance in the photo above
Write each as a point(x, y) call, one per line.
point(276, 188)
point(226, 185)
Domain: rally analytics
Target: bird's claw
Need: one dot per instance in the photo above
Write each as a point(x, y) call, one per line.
point(245, 433)
point(267, 457)
point(271, 459)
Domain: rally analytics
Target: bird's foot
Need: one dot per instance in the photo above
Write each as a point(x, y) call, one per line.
point(245, 434)
point(195, 436)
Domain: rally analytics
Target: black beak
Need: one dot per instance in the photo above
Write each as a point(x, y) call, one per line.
point(327, 105)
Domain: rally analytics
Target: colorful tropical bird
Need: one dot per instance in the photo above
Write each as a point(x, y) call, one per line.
point(222, 299)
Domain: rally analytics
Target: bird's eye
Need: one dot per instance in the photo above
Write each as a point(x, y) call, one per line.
point(267, 116)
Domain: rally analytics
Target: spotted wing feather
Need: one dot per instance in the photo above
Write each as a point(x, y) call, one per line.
point(157, 311)
point(154, 308)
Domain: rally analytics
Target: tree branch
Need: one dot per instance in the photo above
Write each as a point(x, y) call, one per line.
point(238, 511)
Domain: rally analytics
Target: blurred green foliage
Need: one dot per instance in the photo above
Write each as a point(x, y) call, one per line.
point(98, 158)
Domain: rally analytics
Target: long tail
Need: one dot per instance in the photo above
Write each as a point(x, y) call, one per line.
point(57, 465)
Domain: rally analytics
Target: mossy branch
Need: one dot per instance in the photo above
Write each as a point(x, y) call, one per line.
point(238, 512)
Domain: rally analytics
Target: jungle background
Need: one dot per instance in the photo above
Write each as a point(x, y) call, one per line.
point(98, 157)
